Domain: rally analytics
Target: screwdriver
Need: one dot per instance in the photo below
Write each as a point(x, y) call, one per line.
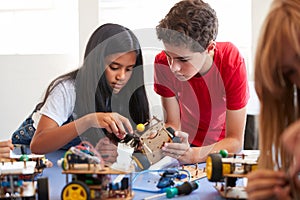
point(183, 189)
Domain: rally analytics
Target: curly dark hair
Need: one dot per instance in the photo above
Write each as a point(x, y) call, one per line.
point(189, 21)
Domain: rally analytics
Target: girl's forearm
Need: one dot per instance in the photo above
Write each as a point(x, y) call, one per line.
point(51, 139)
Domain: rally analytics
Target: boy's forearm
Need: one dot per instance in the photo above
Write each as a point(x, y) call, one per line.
point(230, 144)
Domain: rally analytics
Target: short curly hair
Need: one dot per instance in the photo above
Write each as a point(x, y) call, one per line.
point(189, 21)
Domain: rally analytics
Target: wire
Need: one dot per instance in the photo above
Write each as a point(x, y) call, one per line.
point(157, 171)
point(146, 171)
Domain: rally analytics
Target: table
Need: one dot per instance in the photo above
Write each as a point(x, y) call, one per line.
point(57, 181)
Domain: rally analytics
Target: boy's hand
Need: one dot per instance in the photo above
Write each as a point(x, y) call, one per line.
point(181, 151)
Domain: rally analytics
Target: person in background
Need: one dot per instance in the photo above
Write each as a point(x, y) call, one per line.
point(202, 83)
point(277, 83)
point(103, 98)
point(291, 142)
point(5, 148)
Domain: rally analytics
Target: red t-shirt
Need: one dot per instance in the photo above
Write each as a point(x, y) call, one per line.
point(203, 100)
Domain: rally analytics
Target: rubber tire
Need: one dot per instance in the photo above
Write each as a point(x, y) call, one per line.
point(141, 160)
point(231, 181)
point(216, 168)
point(43, 188)
point(26, 198)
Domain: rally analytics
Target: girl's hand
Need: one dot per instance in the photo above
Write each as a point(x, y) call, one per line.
point(267, 184)
point(181, 151)
point(108, 151)
point(112, 122)
point(5, 148)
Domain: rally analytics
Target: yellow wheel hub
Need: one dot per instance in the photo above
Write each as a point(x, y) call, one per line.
point(208, 167)
point(74, 191)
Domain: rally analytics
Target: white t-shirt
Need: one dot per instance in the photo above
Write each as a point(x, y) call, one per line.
point(60, 103)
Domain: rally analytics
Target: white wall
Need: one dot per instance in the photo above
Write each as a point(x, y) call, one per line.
point(259, 12)
point(23, 81)
point(39, 41)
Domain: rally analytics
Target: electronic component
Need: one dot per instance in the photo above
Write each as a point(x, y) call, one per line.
point(167, 178)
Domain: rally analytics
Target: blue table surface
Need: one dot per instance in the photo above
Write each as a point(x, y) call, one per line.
point(57, 181)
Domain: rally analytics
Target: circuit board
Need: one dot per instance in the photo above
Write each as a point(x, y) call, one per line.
point(153, 140)
point(195, 172)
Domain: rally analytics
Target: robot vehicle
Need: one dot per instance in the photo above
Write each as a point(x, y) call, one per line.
point(19, 177)
point(90, 179)
point(226, 169)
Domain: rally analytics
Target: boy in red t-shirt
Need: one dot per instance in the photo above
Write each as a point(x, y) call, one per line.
point(202, 83)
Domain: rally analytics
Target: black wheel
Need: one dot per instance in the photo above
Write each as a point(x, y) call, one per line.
point(214, 169)
point(28, 198)
point(231, 181)
point(75, 190)
point(141, 160)
point(43, 188)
